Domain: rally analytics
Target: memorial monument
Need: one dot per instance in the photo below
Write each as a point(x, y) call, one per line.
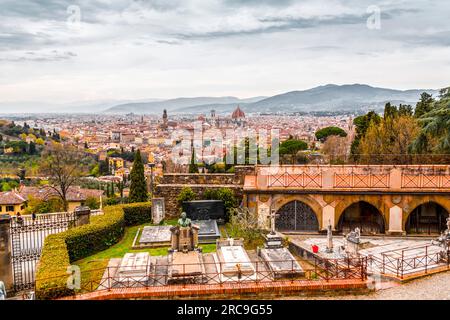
point(233, 262)
point(279, 259)
point(184, 235)
point(185, 259)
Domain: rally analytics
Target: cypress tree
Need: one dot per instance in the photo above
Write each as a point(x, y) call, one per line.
point(138, 187)
point(193, 167)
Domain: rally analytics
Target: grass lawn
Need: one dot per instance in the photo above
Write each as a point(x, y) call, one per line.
point(93, 267)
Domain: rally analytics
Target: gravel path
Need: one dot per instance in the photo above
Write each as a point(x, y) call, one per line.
point(434, 287)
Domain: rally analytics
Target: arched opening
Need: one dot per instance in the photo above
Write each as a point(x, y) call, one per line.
point(364, 216)
point(427, 218)
point(296, 216)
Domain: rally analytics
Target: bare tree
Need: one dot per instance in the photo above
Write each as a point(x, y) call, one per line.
point(63, 165)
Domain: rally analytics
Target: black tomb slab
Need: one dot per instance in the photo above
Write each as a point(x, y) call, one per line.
point(205, 210)
point(208, 231)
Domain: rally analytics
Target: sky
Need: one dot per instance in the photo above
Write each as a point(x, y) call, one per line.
point(99, 50)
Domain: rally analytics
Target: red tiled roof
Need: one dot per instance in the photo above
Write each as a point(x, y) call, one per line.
point(74, 193)
point(11, 198)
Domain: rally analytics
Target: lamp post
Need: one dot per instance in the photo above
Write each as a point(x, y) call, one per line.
point(151, 165)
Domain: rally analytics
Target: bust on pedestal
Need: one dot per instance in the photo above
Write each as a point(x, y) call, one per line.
point(184, 235)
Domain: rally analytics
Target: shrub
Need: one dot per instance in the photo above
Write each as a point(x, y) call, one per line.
point(186, 194)
point(60, 250)
point(226, 195)
point(137, 213)
point(100, 234)
point(92, 203)
point(51, 273)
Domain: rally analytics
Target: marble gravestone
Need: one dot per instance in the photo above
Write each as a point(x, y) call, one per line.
point(233, 261)
point(278, 259)
point(155, 236)
point(158, 210)
point(133, 269)
point(208, 231)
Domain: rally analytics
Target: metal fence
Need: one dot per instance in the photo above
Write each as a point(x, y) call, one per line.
point(27, 239)
point(214, 273)
point(403, 264)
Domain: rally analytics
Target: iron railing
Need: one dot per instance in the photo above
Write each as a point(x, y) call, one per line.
point(214, 273)
point(401, 264)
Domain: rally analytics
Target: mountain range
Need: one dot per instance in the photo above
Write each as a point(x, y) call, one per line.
point(324, 98)
point(327, 98)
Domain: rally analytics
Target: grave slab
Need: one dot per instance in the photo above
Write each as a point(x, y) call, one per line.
point(281, 263)
point(208, 232)
point(155, 236)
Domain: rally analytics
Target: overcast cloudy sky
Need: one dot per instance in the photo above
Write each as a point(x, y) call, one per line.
point(137, 49)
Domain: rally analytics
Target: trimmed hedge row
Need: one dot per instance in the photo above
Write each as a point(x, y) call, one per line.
point(60, 250)
point(52, 269)
point(137, 213)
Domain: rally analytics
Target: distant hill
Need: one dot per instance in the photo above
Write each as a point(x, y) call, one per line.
point(324, 98)
point(336, 98)
point(178, 104)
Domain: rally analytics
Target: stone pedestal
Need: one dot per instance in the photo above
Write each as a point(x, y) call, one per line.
point(273, 241)
point(83, 216)
point(184, 238)
point(6, 274)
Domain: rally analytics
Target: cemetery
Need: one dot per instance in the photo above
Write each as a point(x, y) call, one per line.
point(200, 253)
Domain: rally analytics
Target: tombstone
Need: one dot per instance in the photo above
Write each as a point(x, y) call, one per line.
point(155, 236)
point(208, 231)
point(134, 269)
point(205, 210)
point(233, 261)
point(278, 259)
point(158, 210)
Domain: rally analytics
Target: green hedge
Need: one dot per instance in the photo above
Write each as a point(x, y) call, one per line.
point(137, 213)
point(77, 243)
point(100, 234)
point(51, 276)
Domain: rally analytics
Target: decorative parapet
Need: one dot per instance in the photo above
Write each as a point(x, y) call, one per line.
point(368, 177)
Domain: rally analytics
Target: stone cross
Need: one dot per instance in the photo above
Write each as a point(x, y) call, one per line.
point(329, 238)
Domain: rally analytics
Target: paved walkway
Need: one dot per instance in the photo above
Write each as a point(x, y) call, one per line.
point(434, 287)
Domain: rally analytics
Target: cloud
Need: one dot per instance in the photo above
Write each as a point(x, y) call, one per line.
point(169, 48)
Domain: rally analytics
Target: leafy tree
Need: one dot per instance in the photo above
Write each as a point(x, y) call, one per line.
point(389, 137)
point(405, 110)
point(424, 105)
point(138, 187)
point(292, 146)
point(361, 125)
point(92, 202)
point(324, 133)
point(63, 165)
point(435, 133)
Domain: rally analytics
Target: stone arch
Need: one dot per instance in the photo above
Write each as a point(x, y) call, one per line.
point(368, 223)
point(419, 202)
point(375, 200)
point(281, 200)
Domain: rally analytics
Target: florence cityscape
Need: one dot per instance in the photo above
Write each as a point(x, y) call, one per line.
point(224, 150)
